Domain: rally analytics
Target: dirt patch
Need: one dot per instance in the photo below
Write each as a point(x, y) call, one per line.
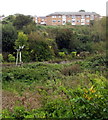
point(28, 100)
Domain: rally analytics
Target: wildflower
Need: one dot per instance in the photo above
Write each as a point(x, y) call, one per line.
point(92, 89)
point(85, 90)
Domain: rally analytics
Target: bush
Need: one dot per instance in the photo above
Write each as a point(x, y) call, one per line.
point(71, 70)
point(39, 47)
point(11, 58)
point(62, 54)
point(73, 54)
point(1, 58)
point(80, 103)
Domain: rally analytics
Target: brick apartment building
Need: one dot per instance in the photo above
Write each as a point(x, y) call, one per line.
point(74, 18)
point(40, 20)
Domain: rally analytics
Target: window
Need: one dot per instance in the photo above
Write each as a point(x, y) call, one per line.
point(87, 16)
point(78, 16)
point(53, 16)
point(82, 17)
point(92, 17)
point(68, 16)
point(59, 16)
point(54, 21)
point(73, 17)
point(69, 21)
point(59, 20)
point(64, 17)
point(82, 20)
point(87, 21)
point(73, 21)
point(78, 21)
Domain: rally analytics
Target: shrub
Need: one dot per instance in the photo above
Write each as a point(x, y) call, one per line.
point(39, 48)
point(62, 54)
point(80, 103)
point(1, 58)
point(11, 58)
point(19, 112)
point(71, 70)
point(73, 54)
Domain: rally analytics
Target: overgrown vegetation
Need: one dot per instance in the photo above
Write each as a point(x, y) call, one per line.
point(68, 76)
point(72, 90)
point(46, 42)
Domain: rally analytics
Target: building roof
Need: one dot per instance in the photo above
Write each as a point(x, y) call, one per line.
point(42, 17)
point(72, 13)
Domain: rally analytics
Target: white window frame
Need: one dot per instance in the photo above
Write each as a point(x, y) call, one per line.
point(82, 23)
point(82, 20)
point(53, 16)
point(73, 21)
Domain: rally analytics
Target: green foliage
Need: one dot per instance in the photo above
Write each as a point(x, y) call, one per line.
point(73, 90)
point(9, 19)
point(99, 30)
point(99, 47)
point(80, 103)
point(37, 72)
point(9, 35)
point(62, 54)
point(1, 58)
point(22, 39)
point(39, 47)
point(73, 54)
point(88, 99)
point(19, 112)
point(29, 28)
point(11, 58)
point(26, 55)
point(6, 114)
point(47, 41)
point(21, 21)
point(63, 38)
point(71, 70)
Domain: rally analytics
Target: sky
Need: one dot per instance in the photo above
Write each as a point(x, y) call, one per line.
point(45, 7)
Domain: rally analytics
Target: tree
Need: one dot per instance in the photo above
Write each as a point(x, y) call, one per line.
point(22, 20)
point(22, 40)
point(63, 38)
point(20, 43)
point(9, 19)
point(9, 35)
point(29, 28)
point(98, 30)
point(39, 47)
point(81, 10)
